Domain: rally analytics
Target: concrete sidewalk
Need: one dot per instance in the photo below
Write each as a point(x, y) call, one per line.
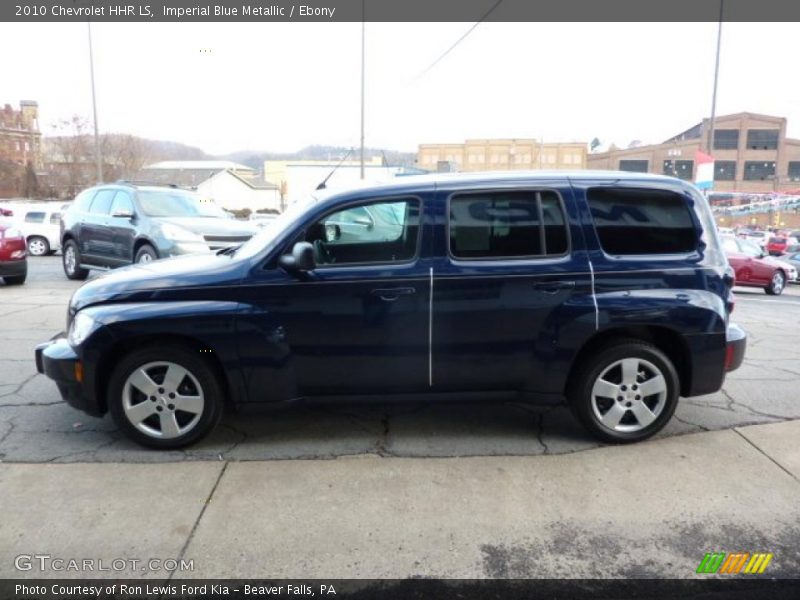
point(647, 510)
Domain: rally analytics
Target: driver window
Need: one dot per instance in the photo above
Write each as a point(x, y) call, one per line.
point(374, 232)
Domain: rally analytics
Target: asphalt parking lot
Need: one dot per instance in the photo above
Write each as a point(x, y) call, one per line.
point(36, 426)
point(450, 491)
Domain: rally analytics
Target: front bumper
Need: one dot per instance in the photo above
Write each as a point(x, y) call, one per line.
point(735, 345)
point(58, 360)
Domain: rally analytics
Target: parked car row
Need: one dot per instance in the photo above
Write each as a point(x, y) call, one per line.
point(39, 223)
point(753, 267)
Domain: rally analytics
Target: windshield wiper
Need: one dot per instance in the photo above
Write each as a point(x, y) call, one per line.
point(229, 250)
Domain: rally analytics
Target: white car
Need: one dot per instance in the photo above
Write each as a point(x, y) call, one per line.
point(41, 225)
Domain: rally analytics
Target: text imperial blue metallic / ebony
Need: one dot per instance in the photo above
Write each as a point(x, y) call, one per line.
point(607, 290)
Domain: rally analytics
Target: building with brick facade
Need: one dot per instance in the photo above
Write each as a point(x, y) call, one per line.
point(501, 155)
point(751, 151)
point(20, 147)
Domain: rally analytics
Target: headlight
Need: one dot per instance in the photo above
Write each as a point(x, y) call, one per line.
point(180, 234)
point(82, 326)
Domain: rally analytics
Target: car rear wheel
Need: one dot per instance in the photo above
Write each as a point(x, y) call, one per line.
point(71, 259)
point(145, 254)
point(776, 284)
point(165, 397)
point(38, 246)
point(625, 392)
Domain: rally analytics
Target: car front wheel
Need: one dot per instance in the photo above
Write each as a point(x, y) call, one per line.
point(71, 259)
point(625, 392)
point(145, 254)
point(165, 397)
point(776, 284)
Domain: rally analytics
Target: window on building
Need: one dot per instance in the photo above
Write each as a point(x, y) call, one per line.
point(762, 139)
point(757, 170)
point(634, 166)
point(642, 221)
point(34, 217)
point(724, 170)
point(794, 171)
point(726, 139)
point(507, 225)
point(683, 169)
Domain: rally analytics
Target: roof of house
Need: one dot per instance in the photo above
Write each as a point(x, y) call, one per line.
point(216, 165)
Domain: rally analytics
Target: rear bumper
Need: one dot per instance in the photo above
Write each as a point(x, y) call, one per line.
point(59, 362)
point(13, 268)
point(735, 345)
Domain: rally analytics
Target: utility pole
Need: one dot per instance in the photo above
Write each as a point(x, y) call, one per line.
point(363, 28)
point(710, 146)
point(97, 156)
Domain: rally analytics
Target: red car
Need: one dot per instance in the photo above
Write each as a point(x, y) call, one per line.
point(13, 255)
point(752, 270)
point(777, 245)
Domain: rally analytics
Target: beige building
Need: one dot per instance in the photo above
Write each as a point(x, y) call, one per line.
point(501, 155)
point(751, 152)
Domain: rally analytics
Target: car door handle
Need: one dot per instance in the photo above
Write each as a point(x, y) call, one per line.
point(553, 287)
point(392, 294)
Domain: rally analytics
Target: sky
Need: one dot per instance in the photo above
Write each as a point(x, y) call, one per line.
point(278, 87)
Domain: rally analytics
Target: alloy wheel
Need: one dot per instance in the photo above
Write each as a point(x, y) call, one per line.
point(629, 395)
point(163, 400)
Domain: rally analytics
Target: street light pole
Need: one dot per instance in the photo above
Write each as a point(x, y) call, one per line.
point(710, 146)
point(363, 28)
point(97, 155)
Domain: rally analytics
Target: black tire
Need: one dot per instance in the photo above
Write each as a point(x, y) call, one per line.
point(38, 246)
point(16, 279)
point(202, 380)
point(145, 254)
point(588, 409)
point(71, 260)
point(777, 284)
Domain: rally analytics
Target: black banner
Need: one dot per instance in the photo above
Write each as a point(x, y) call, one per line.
point(147, 11)
point(733, 588)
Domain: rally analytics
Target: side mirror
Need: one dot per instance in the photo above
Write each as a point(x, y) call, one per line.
point(122, 214)
point(332, 232)
point(300, 260)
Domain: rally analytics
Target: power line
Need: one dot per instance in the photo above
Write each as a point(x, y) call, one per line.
point(459, 40)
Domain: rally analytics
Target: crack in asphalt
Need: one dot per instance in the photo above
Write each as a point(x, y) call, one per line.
point(752, 410)
point(28, 404)
point(687, 422)
point(20, 386)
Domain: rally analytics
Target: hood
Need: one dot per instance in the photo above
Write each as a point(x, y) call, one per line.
point(211, 225)
point(159, 279)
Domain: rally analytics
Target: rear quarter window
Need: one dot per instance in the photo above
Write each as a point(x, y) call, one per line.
point(631, 221)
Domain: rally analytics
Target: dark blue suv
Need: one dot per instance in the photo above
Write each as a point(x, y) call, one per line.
point(605, 289)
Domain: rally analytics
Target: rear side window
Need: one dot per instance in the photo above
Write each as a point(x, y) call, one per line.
point(34, 217)
point(642, 221)
point(55, 218)
point(507, 225)
point(83, 200)
point(102, 202)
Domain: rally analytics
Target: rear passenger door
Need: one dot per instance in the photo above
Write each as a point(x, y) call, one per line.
point(95, 234)
point(511, 288)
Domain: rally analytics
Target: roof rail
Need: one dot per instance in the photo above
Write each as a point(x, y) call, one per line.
point(133, 182)
point(175, 186)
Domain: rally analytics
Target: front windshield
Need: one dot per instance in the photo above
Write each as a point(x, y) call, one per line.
point(177, 203)
point(274, 228)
